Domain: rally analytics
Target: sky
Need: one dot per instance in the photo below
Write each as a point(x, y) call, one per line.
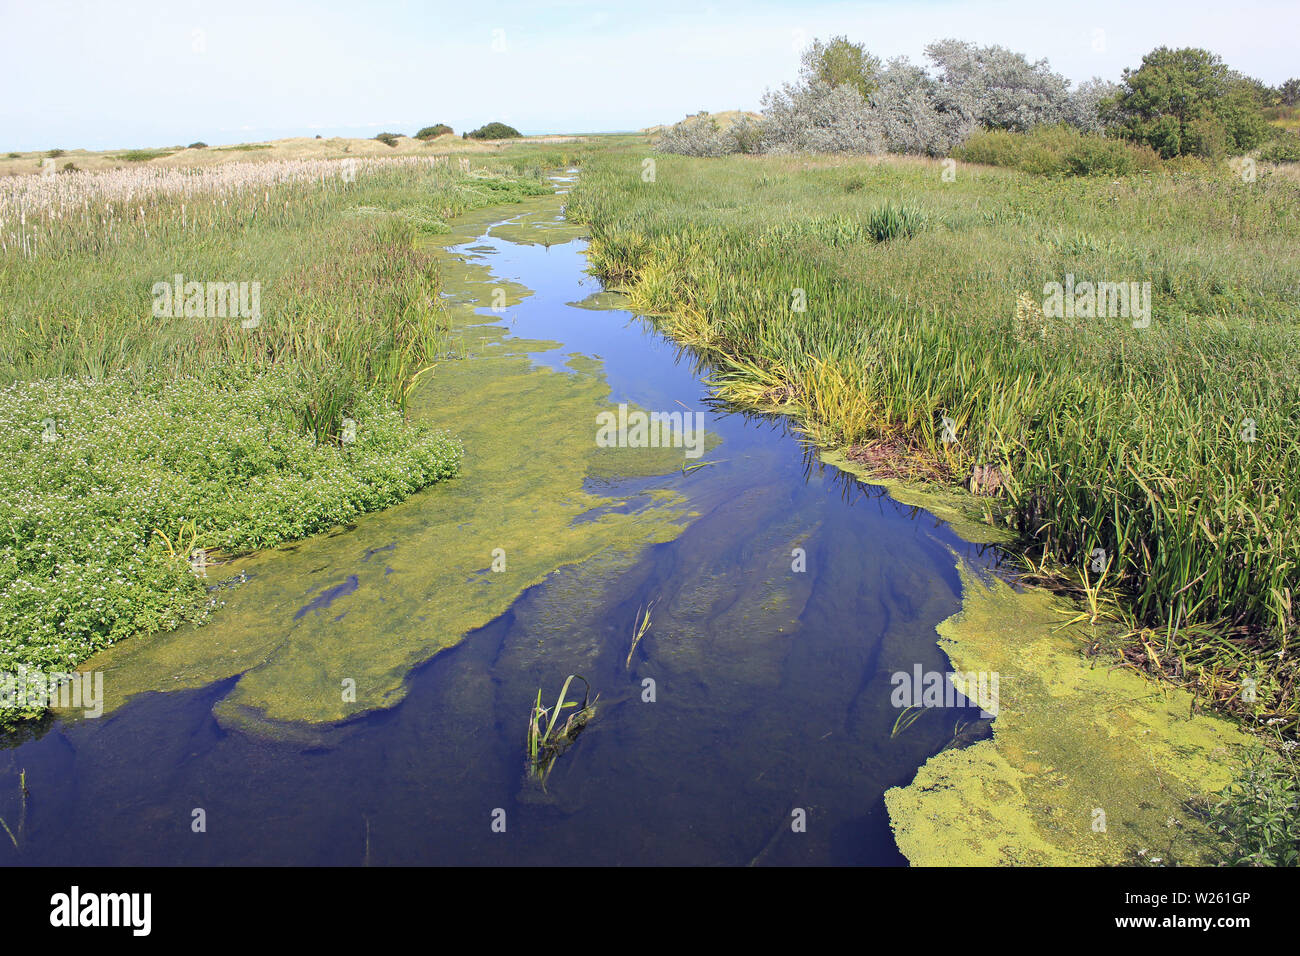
point(112, 75)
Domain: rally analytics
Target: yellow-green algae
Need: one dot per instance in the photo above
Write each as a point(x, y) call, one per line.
point(1075, 739)
point(413, 580)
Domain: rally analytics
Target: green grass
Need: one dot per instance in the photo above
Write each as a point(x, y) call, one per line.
point(1107, 436)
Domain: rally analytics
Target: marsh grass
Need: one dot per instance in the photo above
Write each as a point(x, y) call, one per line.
point(547, 737)
point(1102, 435)
point(640, 627)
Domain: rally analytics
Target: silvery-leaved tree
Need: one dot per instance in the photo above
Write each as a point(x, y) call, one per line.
point(1084, 108)
point(914, 114)
point(998, 88)
point(818, 118)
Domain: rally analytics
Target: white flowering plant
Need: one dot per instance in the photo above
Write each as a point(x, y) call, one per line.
point(102, 481)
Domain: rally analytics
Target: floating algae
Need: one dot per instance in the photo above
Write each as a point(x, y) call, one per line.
point(1088, 764)
point(453, 557)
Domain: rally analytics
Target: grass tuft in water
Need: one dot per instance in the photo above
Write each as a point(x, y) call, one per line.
point(640, 629)
point(545, 743)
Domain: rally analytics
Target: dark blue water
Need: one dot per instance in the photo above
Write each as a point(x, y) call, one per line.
point(771, 686)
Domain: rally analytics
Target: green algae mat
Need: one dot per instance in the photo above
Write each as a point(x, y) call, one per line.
point(329, 628)
point(1089, 764)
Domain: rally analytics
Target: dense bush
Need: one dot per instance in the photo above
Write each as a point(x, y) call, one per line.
point(911, 109)
point(816, 118)
point(494, 131)
point(1283, 149)
point(388, 139)
point(700, 135)
point(433, 132)
point(198, 145)
point(1180, 102)
point(1057, 151)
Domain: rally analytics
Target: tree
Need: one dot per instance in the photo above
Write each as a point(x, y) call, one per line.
point(818, 118)
point(996, 87)
point(909, 107)
point(840, 63)
point(494, 131)
point(1084, 111)
point(1186, 101)
point(1290, 92)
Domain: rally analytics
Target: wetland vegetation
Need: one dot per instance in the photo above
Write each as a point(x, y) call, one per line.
point(273, 429)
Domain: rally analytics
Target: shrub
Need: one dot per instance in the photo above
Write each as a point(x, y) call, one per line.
point(199, 145)
point(388, 139)
point(1058, 151)
point(697, 135)
point(143, 155)
point(433, 132)
point(1206, 137)
point(992, 148)
point(1284, 149)
point(1259, 814)
point(1099, 156)
point(818, 119)
point(495, 131)
point(748, 134)
point(1186, 101)
point(55, 153)
point(15, 155)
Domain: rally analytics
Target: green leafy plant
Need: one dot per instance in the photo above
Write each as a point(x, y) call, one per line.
point(1258, 814)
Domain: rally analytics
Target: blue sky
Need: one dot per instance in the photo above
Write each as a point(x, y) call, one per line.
point(117, 74)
